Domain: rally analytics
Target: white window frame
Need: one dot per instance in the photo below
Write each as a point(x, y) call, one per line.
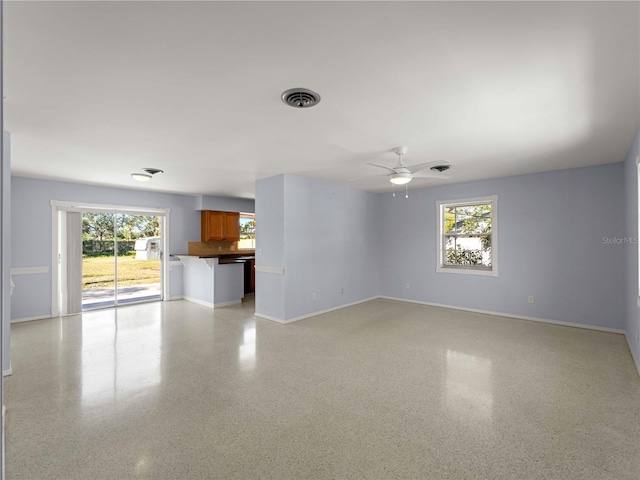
point(467, 270)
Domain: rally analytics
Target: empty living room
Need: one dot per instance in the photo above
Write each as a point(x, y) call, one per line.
point(320, 240)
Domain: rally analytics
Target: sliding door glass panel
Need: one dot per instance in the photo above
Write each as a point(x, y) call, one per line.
point(98, 260)
point(138, 258)
point(121, 259)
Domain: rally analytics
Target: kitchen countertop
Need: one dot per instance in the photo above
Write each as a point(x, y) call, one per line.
point(234, 255)
point(241, 259)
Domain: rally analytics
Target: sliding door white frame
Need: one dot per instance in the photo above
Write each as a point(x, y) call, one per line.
point(56, 240)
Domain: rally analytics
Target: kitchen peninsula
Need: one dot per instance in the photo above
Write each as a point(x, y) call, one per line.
point(216, 272)
point(209, 282)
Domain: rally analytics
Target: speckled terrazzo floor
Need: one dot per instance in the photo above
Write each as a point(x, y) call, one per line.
point(381, 390)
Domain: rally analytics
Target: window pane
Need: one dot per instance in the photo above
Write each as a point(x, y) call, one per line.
point(247, 231)
point(467, 235)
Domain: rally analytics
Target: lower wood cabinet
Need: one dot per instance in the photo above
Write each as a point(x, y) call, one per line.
point(217, 225)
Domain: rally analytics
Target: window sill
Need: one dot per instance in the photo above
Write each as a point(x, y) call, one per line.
point(468, 271)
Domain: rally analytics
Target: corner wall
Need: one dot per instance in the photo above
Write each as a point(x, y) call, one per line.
point(270, 246)
point(631, 302)
point(332, 256)
point(553, 231)
point(324, 237)
point(6, 253)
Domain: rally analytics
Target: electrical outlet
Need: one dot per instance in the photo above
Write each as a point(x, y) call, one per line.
point(342, 290)
point(260, 252)
point(530, 298)
point(406, 285)
point(313, 296)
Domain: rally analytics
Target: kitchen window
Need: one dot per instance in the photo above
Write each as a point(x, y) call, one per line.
point(247, 231)
point(468, 236)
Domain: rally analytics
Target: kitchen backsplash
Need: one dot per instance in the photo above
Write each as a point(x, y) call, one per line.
point(213, 248)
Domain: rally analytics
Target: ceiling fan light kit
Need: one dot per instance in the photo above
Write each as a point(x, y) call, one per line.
point(402, 174)
point(141, 177)
point(400, 178)
point(148, 175)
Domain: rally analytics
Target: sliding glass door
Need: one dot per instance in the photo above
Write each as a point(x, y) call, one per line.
point(121, 259)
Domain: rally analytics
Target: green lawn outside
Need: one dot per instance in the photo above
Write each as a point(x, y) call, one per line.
point(97, 272)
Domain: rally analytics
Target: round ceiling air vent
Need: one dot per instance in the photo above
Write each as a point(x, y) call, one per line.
point(440, 168)
point(300, 98)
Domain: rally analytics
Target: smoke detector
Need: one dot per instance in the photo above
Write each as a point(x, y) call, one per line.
point(300, 98)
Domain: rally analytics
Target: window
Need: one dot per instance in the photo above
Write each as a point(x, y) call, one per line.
point(468, 236)
point(247, 231)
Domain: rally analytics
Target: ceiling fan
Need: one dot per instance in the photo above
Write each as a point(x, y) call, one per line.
point(402, 174)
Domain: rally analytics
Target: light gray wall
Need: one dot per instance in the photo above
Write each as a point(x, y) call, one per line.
point(331, 240)
point(325, 237)
point(6, 252)
point(551, 229)
point(225, 204)
point(31, 225)
point(270, 246)
point(198, 280)
point(632, 318)
point(228, 283)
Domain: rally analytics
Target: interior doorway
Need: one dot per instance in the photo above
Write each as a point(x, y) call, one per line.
point(121, 259)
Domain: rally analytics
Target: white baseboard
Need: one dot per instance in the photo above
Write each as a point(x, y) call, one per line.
point(7, 372)
point(636, 360)
point(314, 314)
point(211, 305)
point(268, 317)
point(510, 315)
point(174, 298)
point(29, 319)
point(199, 302)
point(227, 304)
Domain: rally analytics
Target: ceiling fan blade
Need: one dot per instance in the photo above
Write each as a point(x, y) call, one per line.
point(382, 166)
point(430, 174)
point(423, 166)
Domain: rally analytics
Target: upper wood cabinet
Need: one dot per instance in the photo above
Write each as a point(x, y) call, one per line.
point(232, 220)
point(219, 226)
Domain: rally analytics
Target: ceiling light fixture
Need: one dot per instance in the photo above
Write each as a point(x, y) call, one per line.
point(141, 177)
point(145, 177)
point(400, 178)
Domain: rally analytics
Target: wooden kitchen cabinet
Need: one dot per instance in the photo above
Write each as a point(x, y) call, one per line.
point(217, 225)
point(232, 220)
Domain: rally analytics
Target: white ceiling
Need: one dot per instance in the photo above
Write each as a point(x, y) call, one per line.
point(95, 91)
